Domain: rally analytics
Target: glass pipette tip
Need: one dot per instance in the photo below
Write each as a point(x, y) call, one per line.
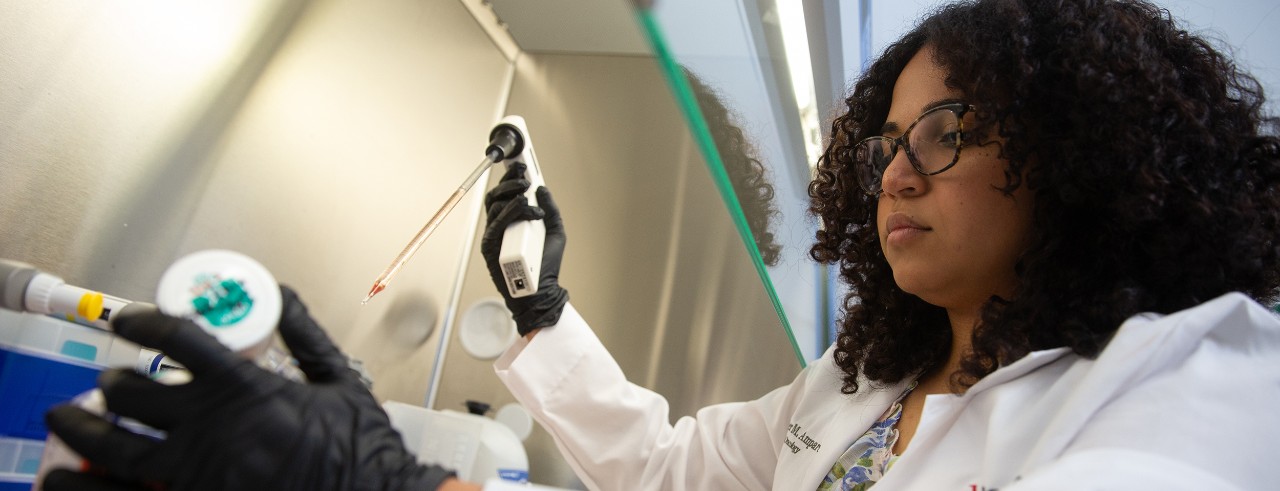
point(383, 279)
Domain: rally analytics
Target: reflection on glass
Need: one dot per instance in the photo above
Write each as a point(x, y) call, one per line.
point(747, 175)
point(741, 110)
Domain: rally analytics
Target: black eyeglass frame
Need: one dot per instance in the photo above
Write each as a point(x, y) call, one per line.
point(958, 108)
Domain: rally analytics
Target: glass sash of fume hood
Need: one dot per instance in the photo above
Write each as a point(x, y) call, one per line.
point(756, 122)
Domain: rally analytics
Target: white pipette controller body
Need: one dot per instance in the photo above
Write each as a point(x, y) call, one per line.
point(522, 243)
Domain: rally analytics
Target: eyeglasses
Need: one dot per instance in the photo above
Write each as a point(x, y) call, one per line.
point(932, 142)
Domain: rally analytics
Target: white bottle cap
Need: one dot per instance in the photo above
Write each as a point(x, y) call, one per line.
point(230, 295)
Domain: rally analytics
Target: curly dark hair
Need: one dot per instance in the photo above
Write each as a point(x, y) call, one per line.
point(1155, 170)
point(747, 175)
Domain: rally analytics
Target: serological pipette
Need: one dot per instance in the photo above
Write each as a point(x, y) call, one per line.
point(502, 144)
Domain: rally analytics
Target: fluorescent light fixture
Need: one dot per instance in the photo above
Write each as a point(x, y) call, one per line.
point(795, 39)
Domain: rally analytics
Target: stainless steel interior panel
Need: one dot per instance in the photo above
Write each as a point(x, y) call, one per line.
point(323, 140)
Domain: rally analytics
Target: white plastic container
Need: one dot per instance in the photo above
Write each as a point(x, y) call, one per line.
point(229, 294)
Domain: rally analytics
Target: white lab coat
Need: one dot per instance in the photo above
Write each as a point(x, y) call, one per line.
point(1185, 401)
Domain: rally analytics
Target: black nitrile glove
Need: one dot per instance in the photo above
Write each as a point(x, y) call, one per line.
point(235, 425)
point(506, 204)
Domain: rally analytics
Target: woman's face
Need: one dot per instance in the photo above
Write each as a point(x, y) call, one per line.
point(952, 238)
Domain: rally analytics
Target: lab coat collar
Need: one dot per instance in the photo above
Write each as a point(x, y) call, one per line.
point(1023, 366)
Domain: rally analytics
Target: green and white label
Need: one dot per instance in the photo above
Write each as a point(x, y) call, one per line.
point(222, 302)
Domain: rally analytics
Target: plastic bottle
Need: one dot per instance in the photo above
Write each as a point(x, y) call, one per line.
point(230, 295)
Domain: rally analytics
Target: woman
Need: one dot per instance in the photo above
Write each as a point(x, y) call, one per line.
point(1052, 217)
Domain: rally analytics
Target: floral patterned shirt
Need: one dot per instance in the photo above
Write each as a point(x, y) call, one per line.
point(871, 456)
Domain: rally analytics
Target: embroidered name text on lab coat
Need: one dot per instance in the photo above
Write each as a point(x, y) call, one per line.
point(801, 439)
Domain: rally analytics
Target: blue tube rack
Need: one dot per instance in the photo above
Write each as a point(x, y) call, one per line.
point(45, 361)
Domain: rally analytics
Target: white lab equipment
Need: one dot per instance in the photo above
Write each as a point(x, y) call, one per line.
point(487, 329)
point(476, 447)
point(515, 417)
point(505, 485)
point(521, 253)
point(24, 288)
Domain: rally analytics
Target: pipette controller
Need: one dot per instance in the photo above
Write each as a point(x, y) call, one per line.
point(521, 255)
point(522, 243)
